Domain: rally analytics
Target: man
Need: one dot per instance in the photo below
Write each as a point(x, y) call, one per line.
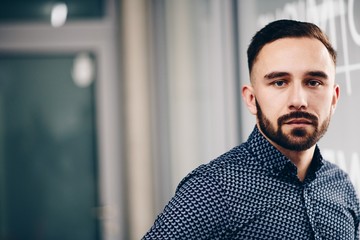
point(276, 185)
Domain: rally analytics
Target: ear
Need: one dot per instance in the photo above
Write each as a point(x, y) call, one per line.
point(249, 98)
point(335, 98)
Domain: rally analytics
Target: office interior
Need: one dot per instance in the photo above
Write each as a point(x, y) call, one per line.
point(105, 105)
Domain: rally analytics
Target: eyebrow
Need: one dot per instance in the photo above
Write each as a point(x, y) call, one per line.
point(274, 75)
point(320, 74)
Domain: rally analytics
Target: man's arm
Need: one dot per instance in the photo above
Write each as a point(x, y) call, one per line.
point(197, 211)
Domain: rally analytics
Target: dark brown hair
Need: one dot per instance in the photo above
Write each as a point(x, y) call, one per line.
point(286, 29)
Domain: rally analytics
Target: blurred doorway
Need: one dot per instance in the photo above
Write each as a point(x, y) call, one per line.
point(48, 160)
point(60, 139)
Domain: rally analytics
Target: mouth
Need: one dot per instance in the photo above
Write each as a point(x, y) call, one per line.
point(299, 122)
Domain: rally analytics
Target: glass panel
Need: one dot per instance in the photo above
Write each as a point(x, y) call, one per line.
point(48, 182)
point(40, 10)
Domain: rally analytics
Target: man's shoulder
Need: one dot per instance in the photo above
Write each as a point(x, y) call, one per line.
point(235, 157)
point(238, 159)
point(332, 170)
point(331, 175)
point(338, 182)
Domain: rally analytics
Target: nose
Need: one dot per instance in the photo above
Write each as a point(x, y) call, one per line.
point(297, 98)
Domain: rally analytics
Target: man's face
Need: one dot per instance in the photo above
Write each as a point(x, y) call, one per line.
point(293, 92)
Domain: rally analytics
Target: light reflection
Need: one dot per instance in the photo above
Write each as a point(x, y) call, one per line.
point(83, 70)
point(59, 14)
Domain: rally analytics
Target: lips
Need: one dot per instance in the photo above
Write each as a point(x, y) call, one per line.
point(299, 121)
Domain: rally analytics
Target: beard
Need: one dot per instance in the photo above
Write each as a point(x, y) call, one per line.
point(299, 138)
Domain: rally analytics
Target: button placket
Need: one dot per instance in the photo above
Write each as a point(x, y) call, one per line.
point(311, 209)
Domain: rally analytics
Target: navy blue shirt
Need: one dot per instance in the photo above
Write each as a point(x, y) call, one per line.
point(253, 192)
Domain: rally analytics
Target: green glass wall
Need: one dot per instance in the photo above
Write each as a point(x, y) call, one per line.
point(48, 161)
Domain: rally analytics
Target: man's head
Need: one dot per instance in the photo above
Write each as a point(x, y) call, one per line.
point(292, 91)
point(285, 29)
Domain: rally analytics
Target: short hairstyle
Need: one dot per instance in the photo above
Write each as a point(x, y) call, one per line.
point(286, 29)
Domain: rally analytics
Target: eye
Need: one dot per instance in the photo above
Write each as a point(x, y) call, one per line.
point(313, 83)
point(279, 83)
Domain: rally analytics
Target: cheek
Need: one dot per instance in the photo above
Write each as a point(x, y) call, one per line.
point(273, 103)
point(322, 108)
point(270, 110)
point(323, 114)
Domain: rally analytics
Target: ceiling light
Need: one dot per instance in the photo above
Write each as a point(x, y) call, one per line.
point(59, 14)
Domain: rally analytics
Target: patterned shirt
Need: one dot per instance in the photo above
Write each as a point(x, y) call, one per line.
point(253, 192)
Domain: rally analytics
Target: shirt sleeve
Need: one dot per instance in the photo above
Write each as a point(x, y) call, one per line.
point(197, 211)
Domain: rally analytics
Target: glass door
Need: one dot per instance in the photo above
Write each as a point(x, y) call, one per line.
point(48, 149)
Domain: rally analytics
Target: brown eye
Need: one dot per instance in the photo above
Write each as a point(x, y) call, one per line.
point(313, 83)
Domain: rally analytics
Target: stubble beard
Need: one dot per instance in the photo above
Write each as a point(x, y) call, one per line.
point(299, 139)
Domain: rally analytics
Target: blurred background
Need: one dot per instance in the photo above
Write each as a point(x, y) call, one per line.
point(105, 105)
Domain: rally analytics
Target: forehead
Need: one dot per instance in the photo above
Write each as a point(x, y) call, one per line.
point(293, 55)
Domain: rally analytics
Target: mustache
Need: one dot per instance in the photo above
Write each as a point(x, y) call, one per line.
point(299, 114)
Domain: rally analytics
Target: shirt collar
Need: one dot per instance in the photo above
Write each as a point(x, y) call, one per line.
point(274, 161)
